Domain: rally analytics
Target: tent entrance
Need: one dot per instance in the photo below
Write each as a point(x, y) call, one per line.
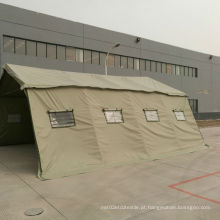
point(15, 118)
point(15, 127)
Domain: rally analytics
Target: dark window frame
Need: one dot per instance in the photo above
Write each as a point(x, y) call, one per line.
point(176, 116)
point(113, 110)
point(73, 124)
point(145, 109)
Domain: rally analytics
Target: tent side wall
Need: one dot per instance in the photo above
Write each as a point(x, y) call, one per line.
point(92, 143)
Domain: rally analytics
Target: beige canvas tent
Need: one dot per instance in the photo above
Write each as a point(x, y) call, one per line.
point(82, 122)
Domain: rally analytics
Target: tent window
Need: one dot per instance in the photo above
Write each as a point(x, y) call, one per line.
point(151, 115)
point(179, 115)
point(113, 116)
point(14, 118)
point(61, 119)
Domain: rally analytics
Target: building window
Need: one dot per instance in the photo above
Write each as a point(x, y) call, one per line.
point(111, 60)
point(194, 105)
point(186, 71)
point(79, 55)
point(61, 53)
point(169, 69)
point(124, 62)
point(151, 115)
point(142, 65)
point(87, 56)
point(102, 58)
point(193, 72)
point(136, 64)
point(163, 67)
point(70, 54)
point(34, 48)
point(190, 72)
point(14, 118)
point(182, 70)
point(95, 57)
point(113, 116)
point(60, 119)
point(20, 46)
point(130, 63)
point(117, 61)
point(173, 67)
point(41, 49)
point(179, 115)
point(51, 51)
point(153, 66)
point(8, 44)
point(159, 67)
point(177, 70)
point(31, 48)
point(148, 65)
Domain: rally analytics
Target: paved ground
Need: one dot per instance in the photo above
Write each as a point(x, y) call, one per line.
point(85, 196)
point(208, 123)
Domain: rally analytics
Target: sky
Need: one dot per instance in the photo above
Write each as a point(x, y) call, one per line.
point(191, 24)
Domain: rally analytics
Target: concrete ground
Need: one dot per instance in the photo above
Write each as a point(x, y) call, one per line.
point(208, 123)
point(131, 192)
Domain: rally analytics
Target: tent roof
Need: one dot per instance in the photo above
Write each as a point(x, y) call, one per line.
point(32, 77)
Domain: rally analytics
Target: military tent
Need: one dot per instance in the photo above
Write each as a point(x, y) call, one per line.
point(83, 122)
